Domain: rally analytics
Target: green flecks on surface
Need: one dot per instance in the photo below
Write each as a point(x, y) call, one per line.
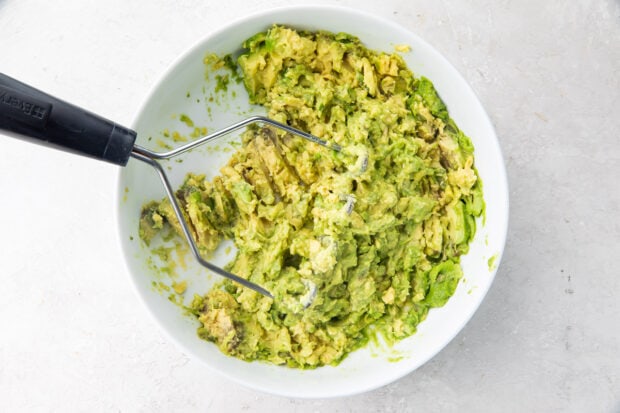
point(164, 261)
point(198, 132)
point(163, 144)
point(177, 137)
point(492, 262)
point(181, 250)
point(179, 287)
point(162, 286)
point(231, 65)
point(213, 61)
point(402, 48)
point(186, 120)
point(222, 83)
point(175, 299)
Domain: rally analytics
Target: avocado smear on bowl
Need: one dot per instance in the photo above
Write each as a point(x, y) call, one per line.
point(352, 243)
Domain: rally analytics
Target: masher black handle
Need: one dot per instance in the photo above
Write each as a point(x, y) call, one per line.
point(38, 117)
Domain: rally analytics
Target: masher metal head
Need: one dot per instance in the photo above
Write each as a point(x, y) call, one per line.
point(151, 158)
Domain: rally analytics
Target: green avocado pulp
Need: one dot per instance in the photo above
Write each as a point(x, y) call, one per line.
point(352, 243)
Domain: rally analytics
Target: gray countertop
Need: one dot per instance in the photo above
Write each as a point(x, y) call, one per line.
point(74, 336)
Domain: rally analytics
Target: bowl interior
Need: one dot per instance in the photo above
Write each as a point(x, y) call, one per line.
point(185, 91)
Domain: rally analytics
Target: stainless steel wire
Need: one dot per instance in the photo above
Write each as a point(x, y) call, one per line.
point(151, 158)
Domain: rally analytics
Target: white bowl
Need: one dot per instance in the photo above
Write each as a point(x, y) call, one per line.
point(375, 365)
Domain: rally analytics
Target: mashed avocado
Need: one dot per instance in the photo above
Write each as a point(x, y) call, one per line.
point(367, 238)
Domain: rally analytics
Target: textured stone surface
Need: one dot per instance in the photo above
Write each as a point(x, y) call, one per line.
point(73, 335)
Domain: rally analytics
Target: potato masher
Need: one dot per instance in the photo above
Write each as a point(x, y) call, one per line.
point(29, 114)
